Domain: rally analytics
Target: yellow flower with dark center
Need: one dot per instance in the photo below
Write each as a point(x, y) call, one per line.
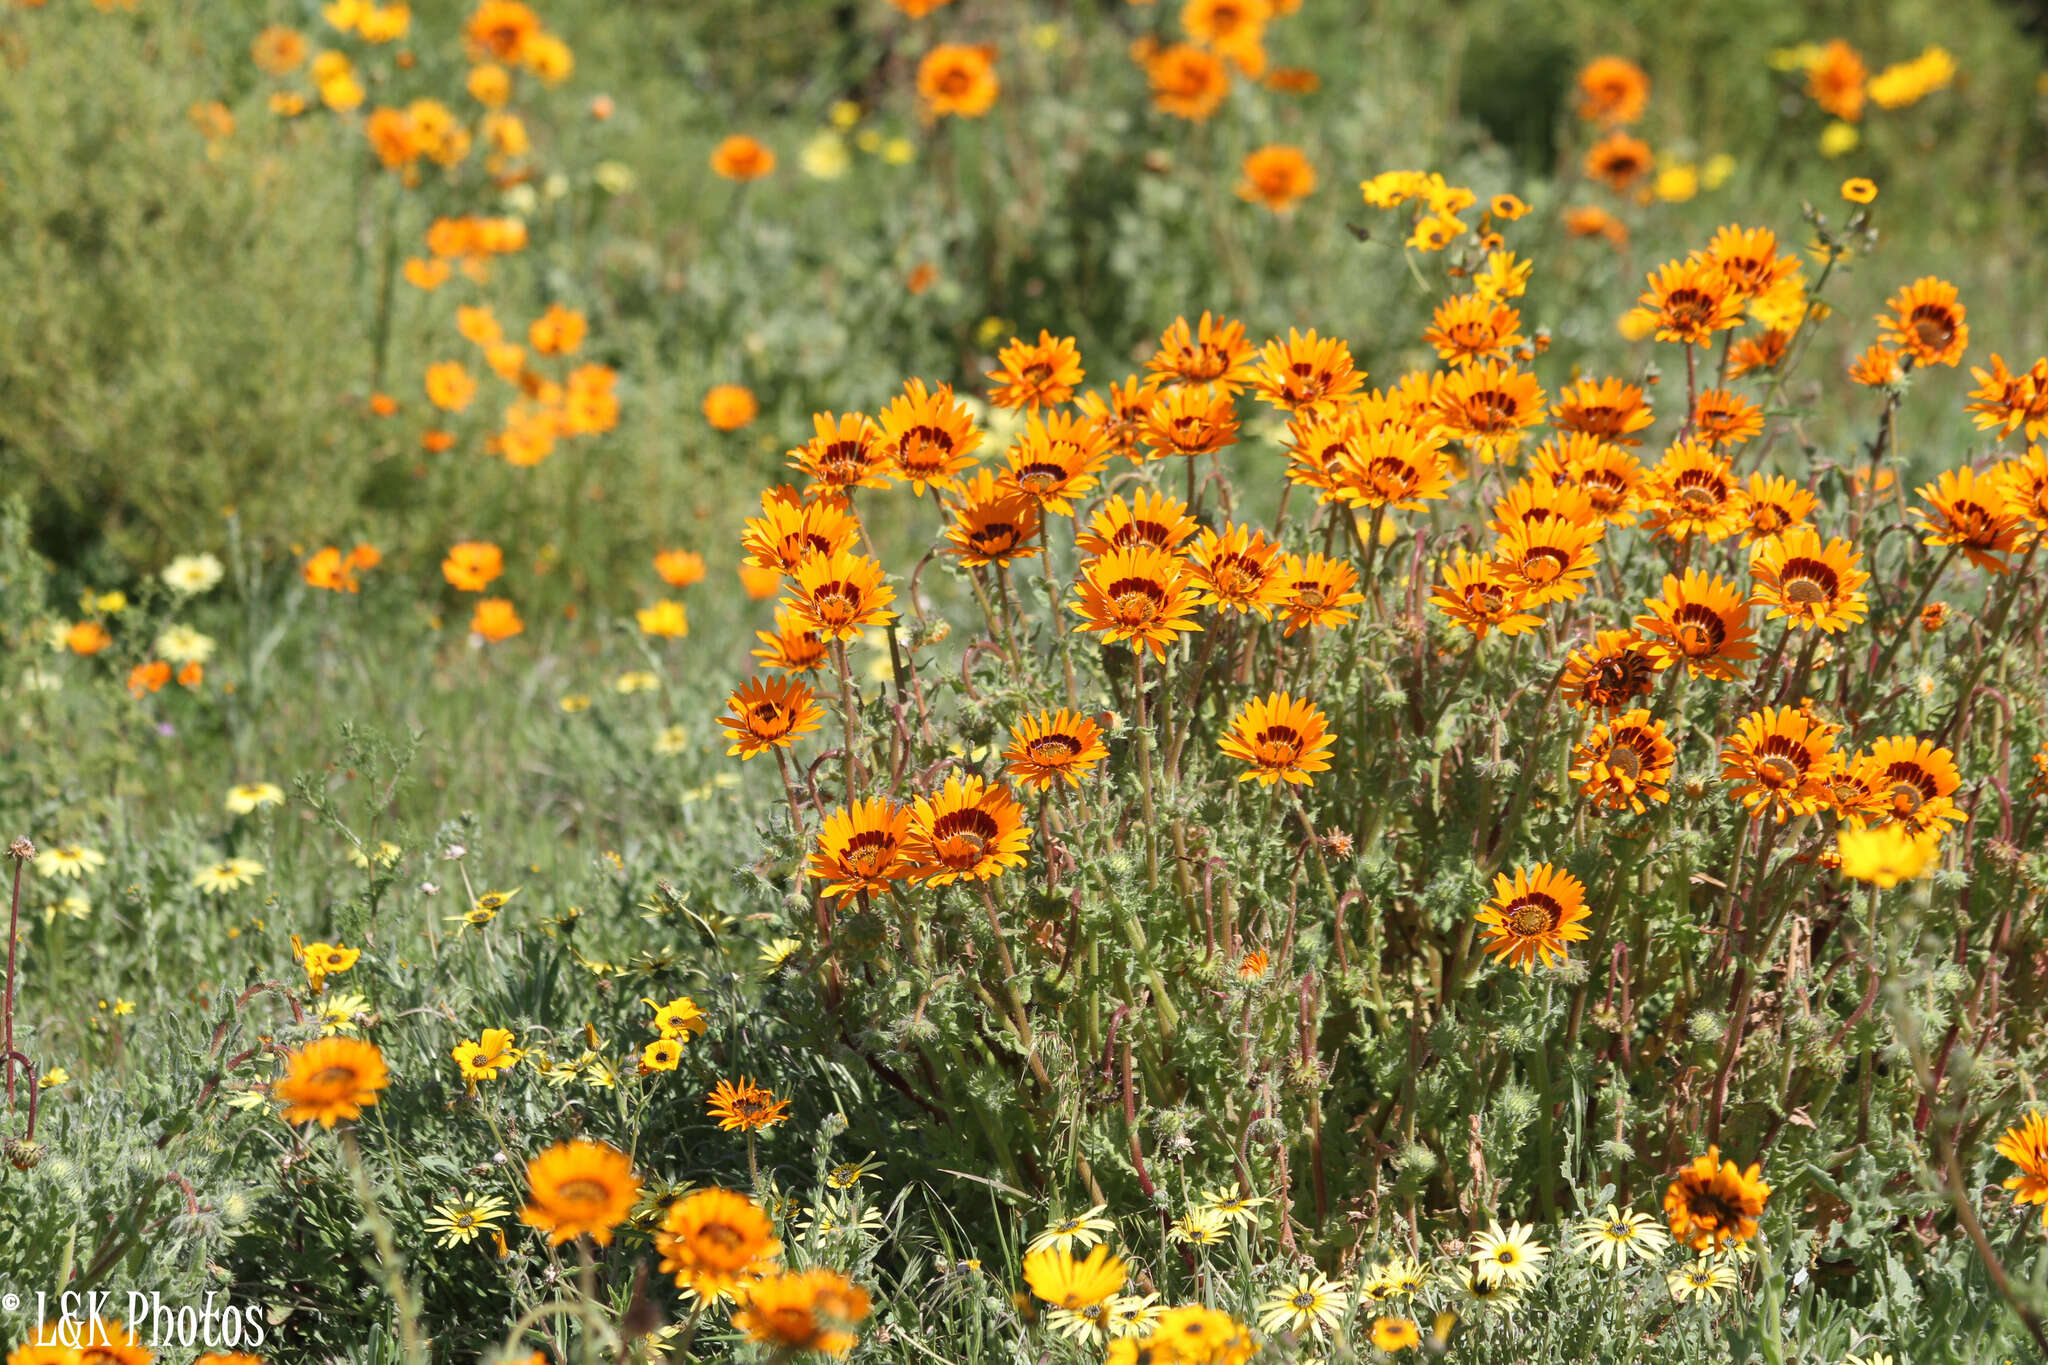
point(1692, 491)
point(458, 1225)
point(1487, 405)
point(331, 1079)
point(1058, 457)
point(679, 1018)
point(841, 595)
point(1478, 596)
point(1054, 746)
point(1149, 518)
point(1282, 739)
point(971, 829)
point(1189, 420)
point(1212, 353)
point(1721, 418)
point(791, 530)
point(1389, 466)
point(1395, 1334)
point(1319, 592)
point(1913, 782)
point(578, 1188)
point(714, 1241)
point(248, 797)
point(1969, 511)
point(1688, 301)
point(1466, 327)
point(791, 647)
point(1780, 760)
point(1807, 584)
point(993, 523)
point(1548, 559)
point(2025, 1145)
point(807, 1310)
point(769, 713)
point(847, 452)
point(1306, 373)
point(745, 1107)
point(1071, 1282)
point(663, 1054)
point(1139, 594)
point(1043, 374)
point(1770, 505)
point(229, 874)
point(861, 849)
point(1925, 321)
point(1625, 763)
point(1606, 408)
point(928, 437)
point(1534, 915)
point(1238, 570)
point(1704, 1278)
point(1700, 622)
point(1713, 1202)
point(491, 1053)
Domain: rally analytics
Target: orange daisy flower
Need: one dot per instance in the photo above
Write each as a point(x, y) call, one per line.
point(746, 1107)
point(1613, 90)
point(928, 437)
point(1120, 418)
point(1487, 405)
point(1712, 1202)
point(993, 523)
point(1721, 418)
point(840, 595)
point(791, 647)
point(958, 79)
point(331, 1079)
point(1306, 373)
point(1915, 781)
point(1190, 420)
point(1607, 409)
point(791, 530)
point(1770, 505)
point(1476, 595)
point(1692, 491)
point(1214, 352)
point(1608, 476)
point(1970, 512)
point(846, 453)
point(1058, 458)
point(1277, 176)
point(1617, 669)
point(1836, 80)
point(861, 849)
point(1534, 915)
point(741, 158)
point(1807, 584)
point(472, 565)
point(1049, 747)
point(1282, 739)
point(1318, 591)
point(1187, 81)
point(1700, 622)
point(1625, 763)
point(769, 713)
point(1780, 760)
point(1139, 594)
point(1466, 327)
point(1688, 301)
point(1748, 259)
point(1618, 160)
point(1036, 375)
point(971, 829)
point(1925, 320)
point(1549, 559)
point(1150, 518)
point(1238, 570)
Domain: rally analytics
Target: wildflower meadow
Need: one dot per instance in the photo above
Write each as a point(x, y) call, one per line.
point(1023, 682)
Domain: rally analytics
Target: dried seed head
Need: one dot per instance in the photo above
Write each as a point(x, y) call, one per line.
point(22, 850)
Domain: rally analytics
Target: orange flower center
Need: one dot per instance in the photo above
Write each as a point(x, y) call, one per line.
point(961, 838)
point(1278, 746)
point(583, 1193)
point(1700, 631)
